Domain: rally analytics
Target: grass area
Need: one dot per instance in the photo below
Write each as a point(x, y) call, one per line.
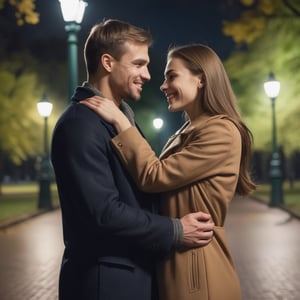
point(21, 199)
point(291, 196)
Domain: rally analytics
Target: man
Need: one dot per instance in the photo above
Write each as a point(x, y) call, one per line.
point(112, 237)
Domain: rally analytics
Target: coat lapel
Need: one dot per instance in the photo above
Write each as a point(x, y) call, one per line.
point(182, 134)
point(176, 139)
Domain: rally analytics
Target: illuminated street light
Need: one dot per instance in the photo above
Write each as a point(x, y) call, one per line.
point(272, 88)
point(45, 108)
point(72, 11)
point(158, 123)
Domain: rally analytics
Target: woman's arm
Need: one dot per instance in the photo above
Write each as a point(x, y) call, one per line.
point(213, 150)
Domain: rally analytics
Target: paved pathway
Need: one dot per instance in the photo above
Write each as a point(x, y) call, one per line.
point(265, 244)
point(30, 255)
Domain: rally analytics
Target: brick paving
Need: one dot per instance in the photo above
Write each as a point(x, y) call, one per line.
point(265, 243)
point(30, 255)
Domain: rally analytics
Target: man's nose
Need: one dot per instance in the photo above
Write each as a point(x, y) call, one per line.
point(146, 75)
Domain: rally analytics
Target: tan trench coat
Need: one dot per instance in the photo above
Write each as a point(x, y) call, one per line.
point(197, 171)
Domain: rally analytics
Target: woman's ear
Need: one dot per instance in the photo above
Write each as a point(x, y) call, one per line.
point(107, 62)
point(201, 81)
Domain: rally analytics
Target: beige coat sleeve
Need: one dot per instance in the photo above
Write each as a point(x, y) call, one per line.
point(213, 150)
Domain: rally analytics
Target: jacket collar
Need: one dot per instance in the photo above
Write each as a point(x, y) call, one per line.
point(176, 138)
point(85, 91)
point(185, 131)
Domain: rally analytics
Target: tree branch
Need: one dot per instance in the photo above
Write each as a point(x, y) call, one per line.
point(291, 7)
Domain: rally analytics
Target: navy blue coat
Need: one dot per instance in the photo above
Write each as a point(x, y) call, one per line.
point(112, 238)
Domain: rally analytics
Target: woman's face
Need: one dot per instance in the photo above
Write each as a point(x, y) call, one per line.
point(182, 88)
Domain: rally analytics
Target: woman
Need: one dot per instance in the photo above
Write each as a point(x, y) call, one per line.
point(201, 167)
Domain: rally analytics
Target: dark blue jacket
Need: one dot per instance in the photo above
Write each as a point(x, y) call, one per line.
point(112, 238)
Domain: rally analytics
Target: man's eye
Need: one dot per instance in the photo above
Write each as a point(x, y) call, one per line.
point(139, 64)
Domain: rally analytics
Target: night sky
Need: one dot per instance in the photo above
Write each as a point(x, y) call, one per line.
point(171, 22)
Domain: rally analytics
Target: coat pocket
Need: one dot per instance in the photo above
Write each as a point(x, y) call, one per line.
point(196, 270)
point(117, 261)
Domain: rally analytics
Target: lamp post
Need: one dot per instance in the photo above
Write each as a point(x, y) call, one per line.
point(44, 202)
point(72, 11)
point(272, 88)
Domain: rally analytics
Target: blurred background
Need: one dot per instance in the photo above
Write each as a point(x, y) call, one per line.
point(41, 59)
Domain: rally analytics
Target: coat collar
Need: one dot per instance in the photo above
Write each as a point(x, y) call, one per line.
point(87, 91)
point(176, 138)
point(185, 131)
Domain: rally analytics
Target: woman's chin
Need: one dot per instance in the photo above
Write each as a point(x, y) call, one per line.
point(172, 109)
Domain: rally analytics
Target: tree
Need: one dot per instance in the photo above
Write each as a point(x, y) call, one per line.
point(255, 15)
point(24, 80)
point(274, 49)
point(19, 93)
point(24, 11)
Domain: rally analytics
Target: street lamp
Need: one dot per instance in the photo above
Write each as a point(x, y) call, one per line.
point(272, 88)
point(72, 11)
point(158, 123)
point(45, 108)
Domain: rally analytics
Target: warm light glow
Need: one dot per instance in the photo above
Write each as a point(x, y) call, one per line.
point(44, 107)
point(73, 10)
point(272, 87)
point(158, 123)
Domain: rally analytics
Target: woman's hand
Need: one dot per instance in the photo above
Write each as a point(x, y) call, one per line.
point(108, 110)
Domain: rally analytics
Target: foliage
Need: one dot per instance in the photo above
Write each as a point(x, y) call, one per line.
point(19, 92)
point(277, 51)
point(270, 30)
point(24, 11)
point(23, 82)
point(255, 16)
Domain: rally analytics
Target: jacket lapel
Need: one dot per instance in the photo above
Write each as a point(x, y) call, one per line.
point(176, 139)
point(180, 137)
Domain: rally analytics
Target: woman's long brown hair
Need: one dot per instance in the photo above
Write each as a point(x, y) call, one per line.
point(219, 99)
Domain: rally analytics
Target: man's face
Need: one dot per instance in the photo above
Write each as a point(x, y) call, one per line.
point(130, 72)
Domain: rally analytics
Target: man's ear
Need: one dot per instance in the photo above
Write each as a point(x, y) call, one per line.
point(107, 62)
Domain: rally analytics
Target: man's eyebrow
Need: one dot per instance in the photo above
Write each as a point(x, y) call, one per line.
point(141, 60)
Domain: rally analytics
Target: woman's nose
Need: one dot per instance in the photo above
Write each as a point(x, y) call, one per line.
point(163, 86)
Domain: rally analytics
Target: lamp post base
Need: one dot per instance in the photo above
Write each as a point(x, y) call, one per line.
point(44, 200)
point(276, 181)
point(276, 193)
point(45, 195)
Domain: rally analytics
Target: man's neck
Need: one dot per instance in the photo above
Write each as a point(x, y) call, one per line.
point(104, 89)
